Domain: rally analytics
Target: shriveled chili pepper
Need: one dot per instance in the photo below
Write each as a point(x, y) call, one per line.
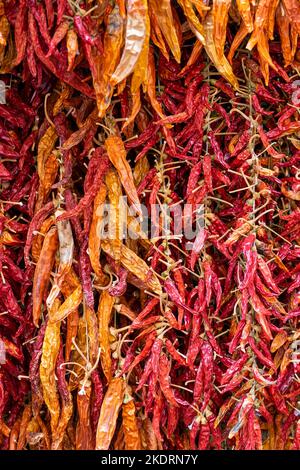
point(164, 380)
point(130, 424)
point(42, 272)
point(174, 353)
point(111, 405)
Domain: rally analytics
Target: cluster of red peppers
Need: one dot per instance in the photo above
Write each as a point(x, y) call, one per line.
point(155, 343)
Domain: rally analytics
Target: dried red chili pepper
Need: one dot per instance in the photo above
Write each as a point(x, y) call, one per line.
point(164, 380)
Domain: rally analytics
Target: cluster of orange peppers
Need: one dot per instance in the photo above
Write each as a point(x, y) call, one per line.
point(138, 341)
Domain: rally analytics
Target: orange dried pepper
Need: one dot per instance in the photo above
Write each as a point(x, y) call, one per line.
point(92, 328)
point(116, 214)
point(68, 306)
point(38, 239)
point(84, 436)
point(139, 76)
point(135, 265)
point(45, 148)
point(119, 443)
point(112, 44)
point(25, 419)
point(141, 168)
point(156, 34)
point(130, 424)
point(66, 249)
point(47, 179)
point(14, 434)
point(283, 25)
point(50, 350)
point(292, 8)
point(42, 272)
point(134, 39)
point(109, 413)
point(271, 23)
point(66, 400)
point(151, 86)
point(261, 22)
point(195, 25)
point(95, 234)
point(220, 62)
point(194, 56)
point(166, 23)
point(9, 239)
point(264, 55)
point(238, 39)
point(245, 12)
point(148, 437)
point(220, 10)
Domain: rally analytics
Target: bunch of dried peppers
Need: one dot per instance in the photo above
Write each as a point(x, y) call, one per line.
point(149, 342)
